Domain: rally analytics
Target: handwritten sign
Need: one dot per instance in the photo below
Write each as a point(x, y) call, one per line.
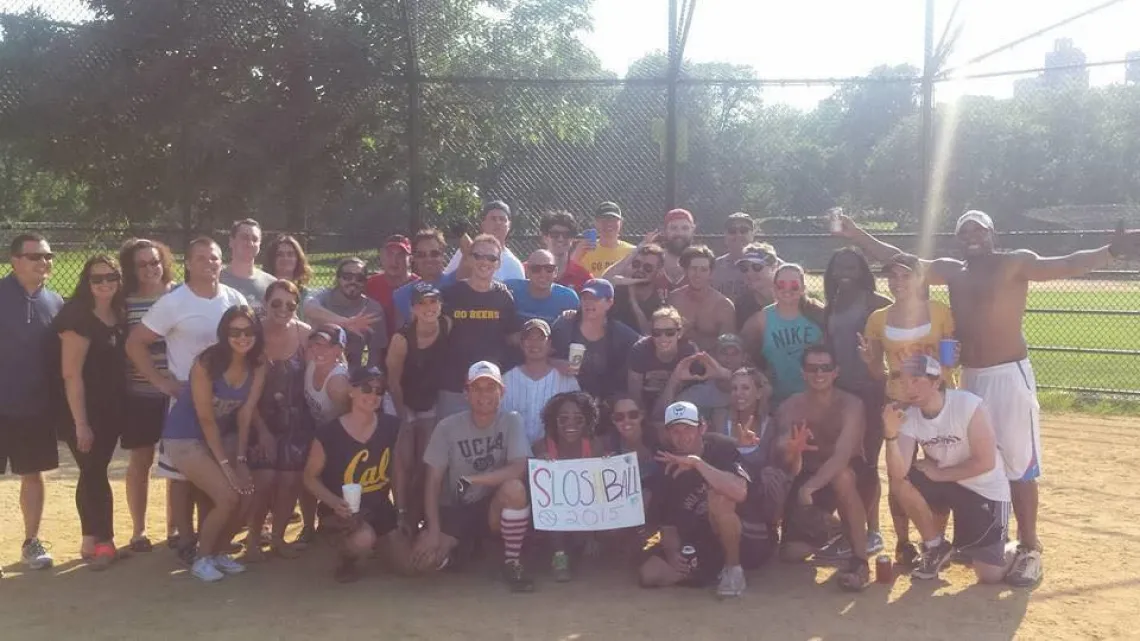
point(587, 494)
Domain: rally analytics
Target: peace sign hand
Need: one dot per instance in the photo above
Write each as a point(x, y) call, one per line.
point(801, 434)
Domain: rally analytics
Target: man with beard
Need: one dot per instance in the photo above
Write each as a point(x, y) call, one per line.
point(558, 231)
point(495, 221)
point(679, 230)
point(637, 295)
point(428, 252)
point(988, 293)
point(242, 273)
point(727, 278)
point(707, 312)
point(758, 268)
point(347, 300)
point(609, 247)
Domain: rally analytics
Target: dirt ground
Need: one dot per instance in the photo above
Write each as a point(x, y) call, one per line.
point(1091, 588)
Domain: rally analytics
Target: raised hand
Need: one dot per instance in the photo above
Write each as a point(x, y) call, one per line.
point(650, 238)
point(893, 417)
point(847, 227)
point(864, 348)
point(801, 434)
point(676, 464)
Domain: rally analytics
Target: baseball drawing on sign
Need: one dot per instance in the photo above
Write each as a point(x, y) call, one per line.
point(586, 494)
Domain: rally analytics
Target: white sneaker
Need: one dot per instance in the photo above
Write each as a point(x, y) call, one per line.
point(35, 555)
point(732, 582)
point(1027, 570)
point(204, 570)
point(226, 564)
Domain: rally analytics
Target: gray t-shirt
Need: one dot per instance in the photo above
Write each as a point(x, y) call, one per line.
point(727, 277)
point(252, 288)
point(466, 450)
point(376, 338)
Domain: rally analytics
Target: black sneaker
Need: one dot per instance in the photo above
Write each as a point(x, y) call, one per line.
point(188, 553)
point(906, 554)
point(932, 561)
point(516, 578)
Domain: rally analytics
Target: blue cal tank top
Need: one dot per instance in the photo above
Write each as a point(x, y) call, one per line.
point(784, 342)
point(182, 421)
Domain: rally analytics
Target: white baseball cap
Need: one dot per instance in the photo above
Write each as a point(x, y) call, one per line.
point(484, 369)
point(682, 412)
point(980, 218)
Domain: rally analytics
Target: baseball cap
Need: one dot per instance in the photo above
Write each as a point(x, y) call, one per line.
point(362, 375)
point(757, 255)
point(422, 289)
point(741, 217)
point(921, 365)
point(399, 241)
point(599, 287)
point(974, 216)
point(906, 261)
point(492, 205)
point(729, 340)
point(536, 323)
point(608, 209)
point(679, 214)
point(682, 412)
point(334, 334)
point(484, 369)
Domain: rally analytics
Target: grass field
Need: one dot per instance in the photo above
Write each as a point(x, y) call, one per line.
point(1058, 369)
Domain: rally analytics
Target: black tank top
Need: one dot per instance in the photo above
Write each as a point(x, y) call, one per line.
point(371, 464)
point(422, 367)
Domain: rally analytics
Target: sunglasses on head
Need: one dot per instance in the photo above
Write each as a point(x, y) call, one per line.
point(435, 253)
point(643, 265)
point(739, 231)
point(819, 367)
point(354, 277)
point(277, 303)
point(374, 386)
point(238, 332)
point(658, 332)
point(788, 285)
point(99, 279)
point(36, 257)
point(756, 267)
point(549, 269)
point(154, 262)
point(632, 415)
point(485, 258)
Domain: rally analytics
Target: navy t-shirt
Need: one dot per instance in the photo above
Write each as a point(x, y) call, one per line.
point(480, 325)
point(29, 349)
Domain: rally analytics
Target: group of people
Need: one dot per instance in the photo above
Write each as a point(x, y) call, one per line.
point(757, 413)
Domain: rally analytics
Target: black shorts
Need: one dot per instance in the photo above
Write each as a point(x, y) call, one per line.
point(382, 518)
point(710, 558)
point(143, 417)
point(29, 443)
point(981, 525)
point(824, 500)
point(466, 521)
point(292, 451)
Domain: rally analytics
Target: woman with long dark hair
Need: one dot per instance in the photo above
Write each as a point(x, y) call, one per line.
point(778, 334)
point(206, 434)
point(284, 425)
point(284, 258)
point(851, 295)
point(91, 331)
point(148, 270)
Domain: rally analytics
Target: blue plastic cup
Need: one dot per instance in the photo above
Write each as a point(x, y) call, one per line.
point(948, 352)
point(591, 236)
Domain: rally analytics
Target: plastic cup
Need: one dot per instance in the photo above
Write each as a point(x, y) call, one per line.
point(948, 352)
point(834, 221)
point(577, 353)
point(351, 493)
point(591, 236)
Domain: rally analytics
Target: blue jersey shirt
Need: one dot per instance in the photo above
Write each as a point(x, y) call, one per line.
point(561, 298)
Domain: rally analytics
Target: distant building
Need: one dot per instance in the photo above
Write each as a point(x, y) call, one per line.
point(1132, 68)
point(1064, 68)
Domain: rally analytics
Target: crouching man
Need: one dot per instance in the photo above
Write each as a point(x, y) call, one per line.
point(959, 473)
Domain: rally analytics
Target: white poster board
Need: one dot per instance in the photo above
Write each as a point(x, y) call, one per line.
point(587, 494)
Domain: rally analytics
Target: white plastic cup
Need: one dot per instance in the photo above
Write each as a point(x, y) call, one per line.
point(577, 353)
point(834, 221)
point(351, 493)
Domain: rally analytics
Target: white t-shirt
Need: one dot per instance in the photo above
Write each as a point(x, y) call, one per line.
point(189, 324)
point(509, 266)
point(320, 405)
point(945, 440)
point(527, 396)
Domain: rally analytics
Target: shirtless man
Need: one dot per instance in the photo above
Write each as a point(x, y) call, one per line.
point(988, 292)
point(707, 312)
point(679, 230)
point(832, 474)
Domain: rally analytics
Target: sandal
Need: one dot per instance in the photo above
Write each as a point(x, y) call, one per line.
point(140, 544)
point(856, 577)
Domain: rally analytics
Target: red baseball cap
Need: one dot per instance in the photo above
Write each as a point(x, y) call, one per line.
point(679, 214)
point(399, 241)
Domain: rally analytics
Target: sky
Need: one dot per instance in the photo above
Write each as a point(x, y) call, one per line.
point(839, 38)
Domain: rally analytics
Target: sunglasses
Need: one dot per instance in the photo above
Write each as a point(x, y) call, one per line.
point(816, 369)
point(559, 235)
point(632, 415)
point(485, 258)
point(36, 257)
point(739, 231)
point(353, 277)
point(788, 285)
point(755, 267)
point(238, 332)
point(277, 303)
point(146, 264)
point(435, 253)
point(375, 386)
point(549, 269)
point(99, 279)
point(658, 332)
point(646, 266)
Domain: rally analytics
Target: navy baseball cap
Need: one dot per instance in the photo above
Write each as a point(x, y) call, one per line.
point(599, 287)
point(334, 334)
point(422, 289)
point(362, 375)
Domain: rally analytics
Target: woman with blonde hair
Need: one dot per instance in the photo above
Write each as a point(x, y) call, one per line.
point(653, 358)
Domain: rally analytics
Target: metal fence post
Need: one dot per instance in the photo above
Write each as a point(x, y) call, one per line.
point(671, 110)
point(412, 78)
point(926, 146)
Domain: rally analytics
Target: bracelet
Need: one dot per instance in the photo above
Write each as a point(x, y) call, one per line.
point(224, 461)
point(891, 438)
point(242, 459)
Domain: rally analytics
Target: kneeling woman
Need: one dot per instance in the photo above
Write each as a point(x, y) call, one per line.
point(201, 439)
point(358, 448)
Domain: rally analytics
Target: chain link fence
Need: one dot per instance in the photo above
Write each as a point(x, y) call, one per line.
point(344, 121)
